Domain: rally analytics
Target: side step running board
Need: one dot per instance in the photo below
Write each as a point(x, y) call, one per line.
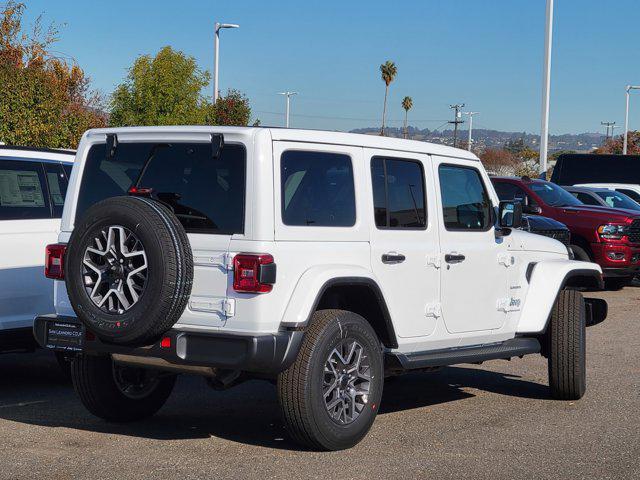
point(452, 356)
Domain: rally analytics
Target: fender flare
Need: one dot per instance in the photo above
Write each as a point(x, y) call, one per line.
point(313, 285)
point(547, 280)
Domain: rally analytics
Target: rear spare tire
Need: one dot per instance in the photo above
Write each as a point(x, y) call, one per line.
point(129, 270)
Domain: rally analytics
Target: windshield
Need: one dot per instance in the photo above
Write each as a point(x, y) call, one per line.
point(553, 195)
point(618, 200)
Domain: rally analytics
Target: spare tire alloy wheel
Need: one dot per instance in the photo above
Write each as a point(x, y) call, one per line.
point(129, 270)
point(115, 269)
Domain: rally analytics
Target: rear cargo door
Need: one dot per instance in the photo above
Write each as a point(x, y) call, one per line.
point(206, 194)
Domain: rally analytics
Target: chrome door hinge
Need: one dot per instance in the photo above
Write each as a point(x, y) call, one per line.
point(433, 310)
point(506, 259)
point(433, 261)
point(220, 260)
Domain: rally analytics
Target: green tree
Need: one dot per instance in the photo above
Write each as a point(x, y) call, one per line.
point(44, 101)
point(161, 90)
point(407, 104)
point(388, 71)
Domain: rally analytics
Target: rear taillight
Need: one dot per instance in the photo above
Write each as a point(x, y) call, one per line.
point(54, 261)
point(253, 273)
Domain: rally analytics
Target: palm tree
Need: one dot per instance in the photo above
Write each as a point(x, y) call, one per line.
point(389, 71)
point(407, 103)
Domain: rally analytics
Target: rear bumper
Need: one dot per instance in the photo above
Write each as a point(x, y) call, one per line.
point(265, 354)
point(627, 267)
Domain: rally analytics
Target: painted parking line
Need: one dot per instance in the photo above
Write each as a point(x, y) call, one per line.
point(23, 404)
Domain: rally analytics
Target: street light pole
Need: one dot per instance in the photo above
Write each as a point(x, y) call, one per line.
point(470, 140)
point(288, 95)
point(216, 56)
point(628, 89)
point(546, 87)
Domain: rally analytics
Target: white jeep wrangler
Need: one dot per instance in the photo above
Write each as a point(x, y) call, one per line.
point(325, 261)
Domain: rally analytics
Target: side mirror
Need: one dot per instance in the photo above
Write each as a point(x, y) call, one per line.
point(531, 209)
point(510, 214)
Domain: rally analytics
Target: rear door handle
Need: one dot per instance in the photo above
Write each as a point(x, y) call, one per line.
point(393, 257)
point(454, 258)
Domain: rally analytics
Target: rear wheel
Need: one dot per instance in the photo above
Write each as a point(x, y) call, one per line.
point(119, 393)
point(566, 335)
point(331, 394)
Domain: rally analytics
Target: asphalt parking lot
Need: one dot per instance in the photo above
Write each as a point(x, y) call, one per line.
point(490, 421)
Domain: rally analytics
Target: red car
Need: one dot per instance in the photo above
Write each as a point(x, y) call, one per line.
point(610, 237)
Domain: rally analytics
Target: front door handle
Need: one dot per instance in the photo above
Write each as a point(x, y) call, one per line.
point(454, 258)
point(393, 257)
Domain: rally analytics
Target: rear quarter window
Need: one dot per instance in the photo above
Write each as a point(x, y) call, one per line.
point(207, 195)
point(23, 192)
point(317, 189)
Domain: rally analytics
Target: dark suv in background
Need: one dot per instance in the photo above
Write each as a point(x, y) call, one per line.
point(607, 236)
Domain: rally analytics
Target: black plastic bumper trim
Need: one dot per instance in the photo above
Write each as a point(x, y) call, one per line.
point(268, 353)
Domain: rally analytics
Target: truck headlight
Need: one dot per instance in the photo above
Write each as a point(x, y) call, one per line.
point(612, 231)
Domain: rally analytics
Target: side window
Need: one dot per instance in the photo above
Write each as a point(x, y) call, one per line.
point(22, 191)
point(57, 182)
point(586, 198)
point(510, 191)
point(629, 193)
point(317, 189)
point(398, 193)
point(466, 204)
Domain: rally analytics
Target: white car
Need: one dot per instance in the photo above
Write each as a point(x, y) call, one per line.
point(629, 189)
point(33, 184)
point(325, 261)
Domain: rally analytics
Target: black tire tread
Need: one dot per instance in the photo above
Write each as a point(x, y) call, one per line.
point(566, 346)
point(93, 382)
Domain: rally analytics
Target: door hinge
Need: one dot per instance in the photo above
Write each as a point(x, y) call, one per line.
point(506, 259)
point(433, 310)
point(433, 261)
point(229, 307)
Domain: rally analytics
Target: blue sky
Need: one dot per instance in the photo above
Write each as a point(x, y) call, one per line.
point(487, 53)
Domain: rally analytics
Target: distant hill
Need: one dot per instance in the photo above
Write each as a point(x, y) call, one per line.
point(581, 142)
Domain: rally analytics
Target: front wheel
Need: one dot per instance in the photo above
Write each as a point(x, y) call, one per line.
point(330, 396)
point(566, 335)
point(118, 393)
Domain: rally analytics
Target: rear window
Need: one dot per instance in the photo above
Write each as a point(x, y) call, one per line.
point(207, 195)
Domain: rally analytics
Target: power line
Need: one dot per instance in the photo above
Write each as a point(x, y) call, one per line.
point(325, 117)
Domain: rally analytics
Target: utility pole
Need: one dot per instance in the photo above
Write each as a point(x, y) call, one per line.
point(546, 87)
point(608, 126)
point(470, 140)
point(288, 95)
point(216, 56)
point(628, 89)
point(456, 121)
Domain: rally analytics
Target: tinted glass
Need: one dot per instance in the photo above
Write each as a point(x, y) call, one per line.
point(589, 168)
point(586, 198)
point(630, 193)
point(553, 195)
point(465, 202)
point(57, 183)
point(398, 193)
point(67, 167)
point(510, 191)
point(207, 195)
point(317, 189)
point(618, 200)
point(23, 193)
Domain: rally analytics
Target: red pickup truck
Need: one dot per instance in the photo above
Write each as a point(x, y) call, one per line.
point(610, 237)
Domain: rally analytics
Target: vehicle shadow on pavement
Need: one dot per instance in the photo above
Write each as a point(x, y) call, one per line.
point(34, 392)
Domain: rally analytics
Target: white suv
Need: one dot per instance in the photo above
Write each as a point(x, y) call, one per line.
point(33, 184)
point(326, 261)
